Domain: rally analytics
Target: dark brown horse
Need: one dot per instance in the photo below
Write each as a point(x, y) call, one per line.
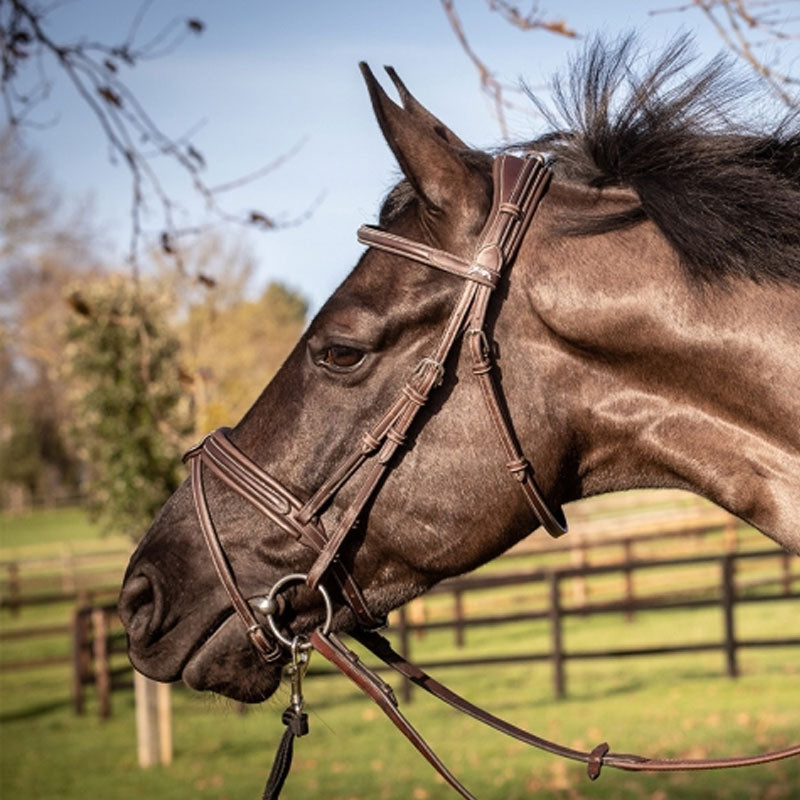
point(646, 336)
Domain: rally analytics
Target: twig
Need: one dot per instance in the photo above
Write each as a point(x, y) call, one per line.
point(96, 72)
point(526, 22)
point(736, 22)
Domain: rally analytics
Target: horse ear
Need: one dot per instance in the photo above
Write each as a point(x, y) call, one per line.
point(435, 168)
point(414, 107)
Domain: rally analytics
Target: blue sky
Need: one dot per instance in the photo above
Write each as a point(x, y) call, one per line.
point(267, 74)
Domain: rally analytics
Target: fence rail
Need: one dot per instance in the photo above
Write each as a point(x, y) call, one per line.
point(726, 594)
point(96, 635)
point(47, 580)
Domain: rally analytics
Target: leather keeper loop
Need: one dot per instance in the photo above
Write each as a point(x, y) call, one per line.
point(510, 208)
point(481, 367)
point(269, 652)
point(369, 443)
point(395, 436)
point(417, 398)
point(595, 763)
point(518, 468)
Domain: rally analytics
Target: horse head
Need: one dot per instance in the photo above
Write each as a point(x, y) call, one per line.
point(439, 512)
point(370, 465)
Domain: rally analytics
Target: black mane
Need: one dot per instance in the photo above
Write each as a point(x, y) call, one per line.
point(725, 195)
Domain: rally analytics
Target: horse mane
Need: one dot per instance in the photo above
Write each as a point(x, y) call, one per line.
point(724, 194)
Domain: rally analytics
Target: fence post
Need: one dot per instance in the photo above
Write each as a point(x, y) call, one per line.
point(580, 587)
point(458, 602)
point(629, 591)
point(786, 570)
point(731, 535)
point(102, 671)
point(405, 649)
point(14, 599)
point(164, 722)
point(81, 660)
point(728, 602)
point(556, 641)
point(153, 721)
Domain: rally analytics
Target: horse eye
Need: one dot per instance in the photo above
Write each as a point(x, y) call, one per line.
point(341, 357)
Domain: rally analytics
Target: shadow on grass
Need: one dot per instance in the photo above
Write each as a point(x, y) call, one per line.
point(35, 711)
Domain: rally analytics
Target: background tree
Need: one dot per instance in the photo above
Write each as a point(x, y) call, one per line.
point(41, 252)
point(255, 336)
point(233, 338)
point(142, 391)
point(759, 32)
point(225, 341)
point(133, 413)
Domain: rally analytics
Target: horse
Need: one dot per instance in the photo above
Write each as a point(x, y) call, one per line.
point(629, 318)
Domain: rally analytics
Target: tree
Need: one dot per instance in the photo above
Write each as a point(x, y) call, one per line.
point(133, 412)
point(232, 341)
point(534, 20)
point(755, 31)
point(32, 58)
point(41, 252)
point(36, 463)
point(232, 357)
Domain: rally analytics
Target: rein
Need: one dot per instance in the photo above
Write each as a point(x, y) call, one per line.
point(349, 664)
point(519, 185)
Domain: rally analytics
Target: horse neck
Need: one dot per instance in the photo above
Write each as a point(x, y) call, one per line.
point(665, 383)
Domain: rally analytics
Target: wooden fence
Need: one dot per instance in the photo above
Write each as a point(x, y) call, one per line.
point(68, 577)
point(783, 583)
point(561, 590)
point(97, 635)
point(50, 580)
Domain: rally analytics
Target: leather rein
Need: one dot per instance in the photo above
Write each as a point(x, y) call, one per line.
point(519, 185)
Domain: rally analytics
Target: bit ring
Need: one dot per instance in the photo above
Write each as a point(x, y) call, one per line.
point(297, 577)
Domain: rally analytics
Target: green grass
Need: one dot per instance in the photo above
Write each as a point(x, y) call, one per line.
point(667, 706)
point(35, 532)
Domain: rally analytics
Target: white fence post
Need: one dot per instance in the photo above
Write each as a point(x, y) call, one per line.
point(153, 721)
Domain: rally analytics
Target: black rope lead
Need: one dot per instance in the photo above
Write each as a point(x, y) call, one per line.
point(296, 723)
point(295, 720)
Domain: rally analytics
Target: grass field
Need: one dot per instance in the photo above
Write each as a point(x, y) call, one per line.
point(675, 705)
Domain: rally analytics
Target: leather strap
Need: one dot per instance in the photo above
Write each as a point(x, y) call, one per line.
point(347, 662)
point(519, 184)
point(416, 251)
point(246, 478)
point(350, 665)
point(268, 650)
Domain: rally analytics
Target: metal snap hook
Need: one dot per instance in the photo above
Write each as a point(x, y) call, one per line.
point(296, 643)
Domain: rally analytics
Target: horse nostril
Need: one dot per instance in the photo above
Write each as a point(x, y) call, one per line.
point(138, 607)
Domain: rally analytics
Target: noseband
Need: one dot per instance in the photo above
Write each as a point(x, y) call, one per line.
point(519, 185)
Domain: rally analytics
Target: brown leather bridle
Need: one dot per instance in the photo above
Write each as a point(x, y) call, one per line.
point(519, 185)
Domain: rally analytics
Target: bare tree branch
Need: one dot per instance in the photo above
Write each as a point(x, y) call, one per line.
point(97, 72)
point(754, 30)
point(494, 88)
point(533, 20)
